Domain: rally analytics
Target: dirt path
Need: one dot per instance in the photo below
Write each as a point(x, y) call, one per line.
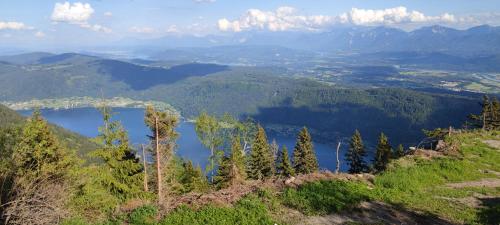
point(486, 182)
point(376, 213)
point(493, 143)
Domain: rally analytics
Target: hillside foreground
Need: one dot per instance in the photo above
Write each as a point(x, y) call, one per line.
point(460, 185)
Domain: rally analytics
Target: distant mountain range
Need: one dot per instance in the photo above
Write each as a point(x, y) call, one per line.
point(478, 40)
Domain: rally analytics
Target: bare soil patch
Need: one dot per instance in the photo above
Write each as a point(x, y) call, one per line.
point(493, 143)
point(486, 182)
point(377, 213)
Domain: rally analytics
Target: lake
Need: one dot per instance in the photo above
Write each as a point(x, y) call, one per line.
point(86, 121)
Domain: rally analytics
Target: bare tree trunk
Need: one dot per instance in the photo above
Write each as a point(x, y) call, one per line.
point(338, 161)
point(212, 165)
point(158, 167)
point(484, 121)
point(145, 169)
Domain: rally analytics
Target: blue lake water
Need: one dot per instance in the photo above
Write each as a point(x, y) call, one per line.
point(86, 121)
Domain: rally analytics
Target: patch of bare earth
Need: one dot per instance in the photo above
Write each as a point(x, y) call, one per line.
point(486, 182)
point(493, 143)
point(376, 213)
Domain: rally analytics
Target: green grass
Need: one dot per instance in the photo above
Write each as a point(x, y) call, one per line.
point(325, 197)
point(420, 184)
point(248, 211)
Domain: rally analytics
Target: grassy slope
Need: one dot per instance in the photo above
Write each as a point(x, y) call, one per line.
point(420, 184)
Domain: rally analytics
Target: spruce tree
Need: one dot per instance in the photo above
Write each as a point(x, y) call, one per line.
point(399, 152)
point(231, 170)
point(304, 156)
point(484, 118)
point(125, 170)
point(260, 163)
point(382, 153)
point(39, 154)
point(193, 179)
point(495, 114)
point(284, 167)
point(356, 153)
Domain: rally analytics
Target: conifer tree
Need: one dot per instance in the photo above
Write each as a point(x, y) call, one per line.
point(193, 179)
point(382, 153)
point(489, 118)
point(495, 114)
point(284, 167)
point(399, 152)
point(162, 126)
point(231, 171)
point(304, 156)
point(125, 170)
point(260, 163)
point(356, 153)
point(41, 171)
point(39, 153)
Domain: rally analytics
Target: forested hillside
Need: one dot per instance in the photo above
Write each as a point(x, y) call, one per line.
point(10, 121)
point(282, 103)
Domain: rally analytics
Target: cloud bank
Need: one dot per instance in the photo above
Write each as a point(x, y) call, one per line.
point(288, 18)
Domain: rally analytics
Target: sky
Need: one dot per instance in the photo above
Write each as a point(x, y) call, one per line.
point(48, 22)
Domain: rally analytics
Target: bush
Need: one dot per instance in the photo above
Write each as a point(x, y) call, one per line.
point(144, 215)
point(325, 197)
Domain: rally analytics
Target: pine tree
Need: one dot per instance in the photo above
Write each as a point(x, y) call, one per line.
point(193, 179)
point(355, 155)
point(284, 167)
point(399, 152)
point(304, 156)
point(495, 114)
point(382, 153)
point(231, 171)
point(483, 119)
point(125, 171)
point(39, 154)
point(260, 163)
point(162, 126)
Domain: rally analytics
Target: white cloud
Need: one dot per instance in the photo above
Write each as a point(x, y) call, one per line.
point(204, 1)
point(96, 27)
point(395, 15)
point(108, 14)
point(39, 34)
point(288, 18)
point(142, 30)
point(283, 18)
point(14, 26)
point(72, 13)
point(172, 29)
point(77, 13)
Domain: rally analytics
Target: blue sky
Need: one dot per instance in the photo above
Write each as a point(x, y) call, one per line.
point(100, 21)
